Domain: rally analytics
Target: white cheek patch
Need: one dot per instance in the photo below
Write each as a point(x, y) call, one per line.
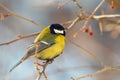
point(59, 31)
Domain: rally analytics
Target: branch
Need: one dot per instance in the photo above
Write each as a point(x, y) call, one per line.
point(73, 23)
point(19, 38)
point(87, 51)
point(18, 16)
point(79, 17)
point(80, 8)
point(43, 66)
point(106, 68)
point(98, 17)
point(99, 5)
point(86, 22)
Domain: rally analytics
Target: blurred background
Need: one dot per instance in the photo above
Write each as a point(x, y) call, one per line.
point(73, 62)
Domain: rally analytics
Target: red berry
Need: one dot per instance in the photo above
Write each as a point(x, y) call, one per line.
point(90, 33)
point(113, 7)
point(86, 30)
point(7, 15)
point(112, 4)
point(60, 6)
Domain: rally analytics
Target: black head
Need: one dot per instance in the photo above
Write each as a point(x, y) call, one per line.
point(57, 29)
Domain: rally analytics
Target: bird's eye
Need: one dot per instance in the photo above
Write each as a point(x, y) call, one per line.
point(58, 31)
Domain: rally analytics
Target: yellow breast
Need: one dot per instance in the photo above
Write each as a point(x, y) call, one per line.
point(54, 50)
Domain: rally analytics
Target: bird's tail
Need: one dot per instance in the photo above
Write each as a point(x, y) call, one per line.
point(18, 63)
point(29, 53)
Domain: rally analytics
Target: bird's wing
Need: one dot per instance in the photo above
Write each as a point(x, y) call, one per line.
point(31, 51)
point(42, 45)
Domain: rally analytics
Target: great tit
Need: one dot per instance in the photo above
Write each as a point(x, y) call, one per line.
point(51, 42)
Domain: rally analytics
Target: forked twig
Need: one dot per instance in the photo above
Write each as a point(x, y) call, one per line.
point(43, 66)
point(99, 5)
point(18, 16)
point(81, 15)
point(90, 16)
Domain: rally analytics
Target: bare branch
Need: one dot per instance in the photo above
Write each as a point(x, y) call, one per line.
point(99, 5)
point(80, 7)
point(43, 66)
point(106, 68)
point(98, 17)
point(19, 38)
point(18, 16)
point(79, 17)
point(101, 27)
point(86, 22)
point(73, 23)
point(87, 51)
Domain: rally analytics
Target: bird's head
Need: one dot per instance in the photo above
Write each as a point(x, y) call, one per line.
point(57, 29)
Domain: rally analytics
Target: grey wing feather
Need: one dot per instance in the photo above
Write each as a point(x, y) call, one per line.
point(31, 51)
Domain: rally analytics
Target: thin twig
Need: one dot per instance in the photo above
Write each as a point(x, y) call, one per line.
point(101, 27)
point(98, 17)
point(19, 38)
point(80, 8)
point(99, 5)
point(43, 66)
point(106, 68)
point(80, 17)
point(76, 2)
point(37, 66)
point(87, 51)
point(40, 73)
point(86, 22)
point(73, 23)
point(66, 23)
point(18, 16)
point(37, 69)
point(43, 71)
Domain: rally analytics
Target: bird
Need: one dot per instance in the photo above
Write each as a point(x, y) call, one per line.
point(51, 42)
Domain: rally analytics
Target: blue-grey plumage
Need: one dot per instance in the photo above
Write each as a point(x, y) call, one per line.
point(31, 52)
